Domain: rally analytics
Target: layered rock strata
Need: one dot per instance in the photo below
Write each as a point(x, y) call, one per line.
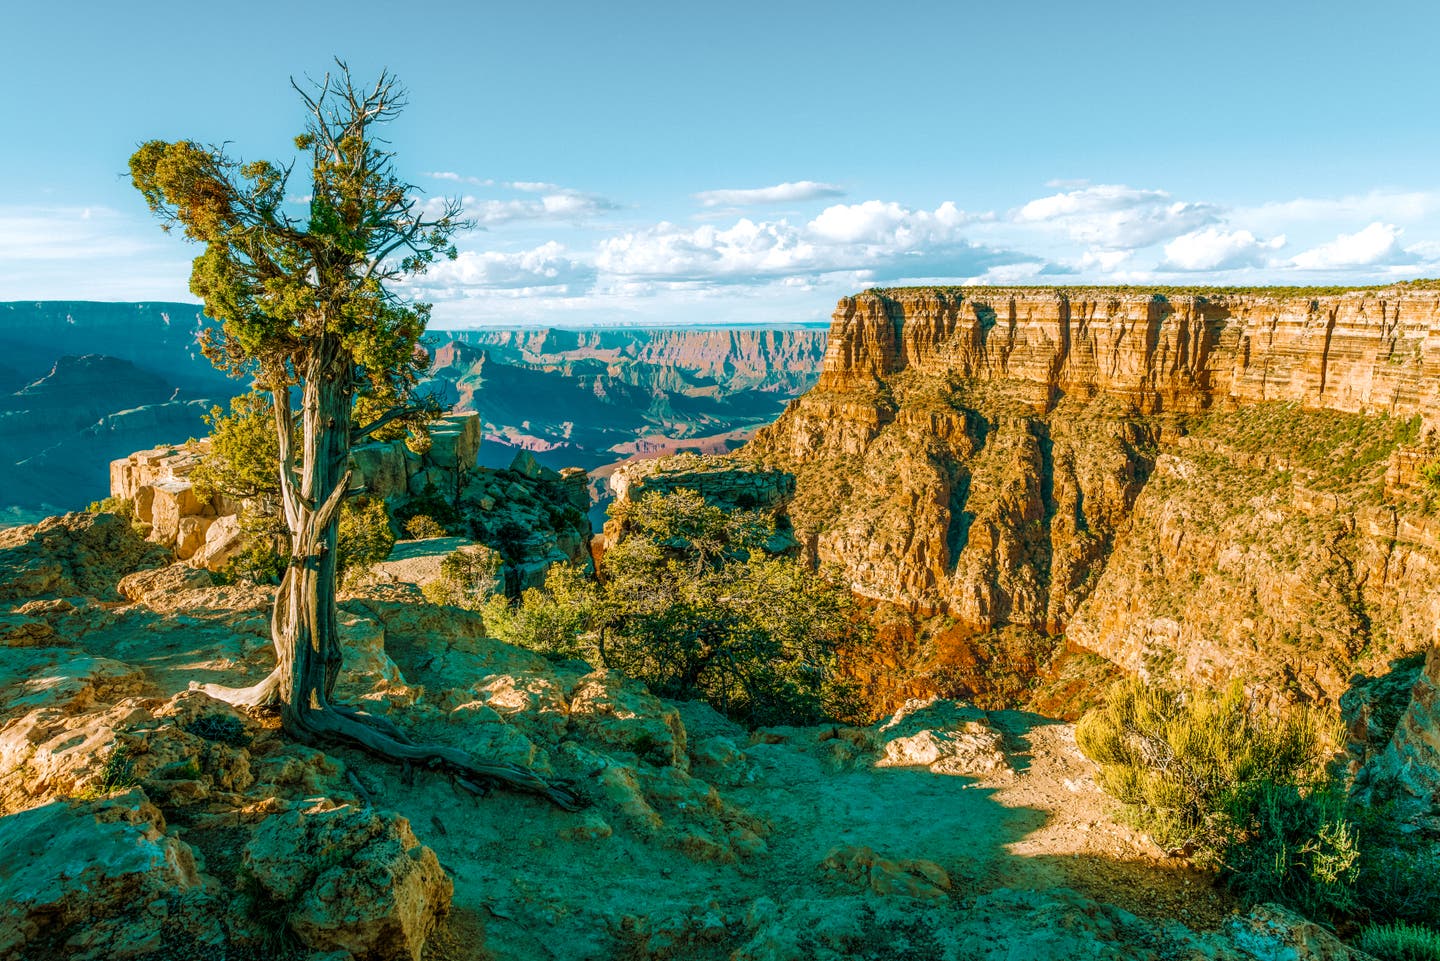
point(1194, 485)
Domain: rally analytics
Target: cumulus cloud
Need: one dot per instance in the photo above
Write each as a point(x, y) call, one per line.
point(1215, 248)
point(1377, 244)
point(881, 240)
point(1117, 217)
point(546, 266)
point(888, 224)
point(780, 193)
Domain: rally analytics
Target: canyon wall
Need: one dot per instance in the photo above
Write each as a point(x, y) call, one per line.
point(1195, 485)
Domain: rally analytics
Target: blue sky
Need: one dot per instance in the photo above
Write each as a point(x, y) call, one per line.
point(751, 162)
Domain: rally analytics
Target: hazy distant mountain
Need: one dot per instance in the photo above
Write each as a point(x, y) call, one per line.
point(84, 383)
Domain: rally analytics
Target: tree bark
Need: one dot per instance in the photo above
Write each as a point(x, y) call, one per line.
point(303, 624)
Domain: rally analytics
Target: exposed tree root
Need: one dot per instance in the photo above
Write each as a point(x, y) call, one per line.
point(263, 694)
point(381, 738)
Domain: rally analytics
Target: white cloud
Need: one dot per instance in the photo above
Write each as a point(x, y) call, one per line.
point(1215, 248)
point(1117, 217)
point(1391, 206)
point(881, 240)
point(545, 266)
point(888, 224)
point(555, 203)
point(780, 193)
point(1377, 244)
point(708, 252)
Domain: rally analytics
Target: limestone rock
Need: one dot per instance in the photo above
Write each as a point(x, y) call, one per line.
point(1274, 933)
point(91, 862)
point(75, 554)
point(610, 709)
point(859, 865)
point(454, 442)
point(173, 501)
point(223, 540)
point(946, 737)
point(191, 536)
point(355, 880)
point(141, 585)
point(526, 464)
point(380, 468)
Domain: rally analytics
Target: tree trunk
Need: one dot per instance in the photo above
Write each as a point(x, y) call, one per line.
point(303, 624)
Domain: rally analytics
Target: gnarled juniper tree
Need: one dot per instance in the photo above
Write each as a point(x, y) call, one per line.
point(306, 306)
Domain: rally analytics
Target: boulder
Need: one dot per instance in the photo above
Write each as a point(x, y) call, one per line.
point(1274, 933)
point(92, 863)
point(946, 737)
point(454, 442)
point(380, 468)
point(174, 500)
point(613, 710)
point(860, 866)
point(223, 540)
point(191, 536)
point(526, 464)
point(353, 879)
point(141, 585)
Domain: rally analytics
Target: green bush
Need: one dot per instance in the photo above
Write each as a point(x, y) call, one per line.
point(467, 578)
point(1400, 942)
point(365, 536)
point(261, 560)
point(423, 526)
point(121, 507)
point(1292, 846)
point(554, 620)
point(1181, 763)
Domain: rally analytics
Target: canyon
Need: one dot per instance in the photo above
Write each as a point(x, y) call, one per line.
point(1193, 485)
point(84, 383)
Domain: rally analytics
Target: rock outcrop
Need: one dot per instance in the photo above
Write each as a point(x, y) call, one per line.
point(1194, 485)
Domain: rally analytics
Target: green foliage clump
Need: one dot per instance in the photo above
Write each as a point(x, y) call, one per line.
point(244, 456)
point(118, 774)
point(423, 526)
point(553, 620)
point(223, 728)
point(691, 604)
point(1180, 762)
point(1293, 845)
point(1400, 942)
point(261, 560)
point(429, 503)
point(365, 536)
point(121, 507)
point(467, 578)
point(1249, 794)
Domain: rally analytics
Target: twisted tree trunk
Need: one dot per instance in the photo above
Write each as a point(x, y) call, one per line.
point(303, 623)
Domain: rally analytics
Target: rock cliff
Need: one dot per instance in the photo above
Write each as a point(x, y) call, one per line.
point(1193, 484)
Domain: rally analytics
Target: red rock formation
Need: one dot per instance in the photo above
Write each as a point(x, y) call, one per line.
point(1018, 457)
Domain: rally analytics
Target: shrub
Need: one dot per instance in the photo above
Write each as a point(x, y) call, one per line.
point(423, 526)
point(1179, 763)
point(552, 620)
point(467, 578)
point(365, 536)
point(118, 774)
point(121, 507)
point(1400, 942)
point(1294, 847)
point(261, 560)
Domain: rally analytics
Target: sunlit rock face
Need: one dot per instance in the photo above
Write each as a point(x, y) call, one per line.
point(1194, 485)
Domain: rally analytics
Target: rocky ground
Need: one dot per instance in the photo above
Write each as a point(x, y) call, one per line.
point(141, 820)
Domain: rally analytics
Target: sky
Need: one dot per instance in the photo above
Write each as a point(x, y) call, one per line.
point(752, 162)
